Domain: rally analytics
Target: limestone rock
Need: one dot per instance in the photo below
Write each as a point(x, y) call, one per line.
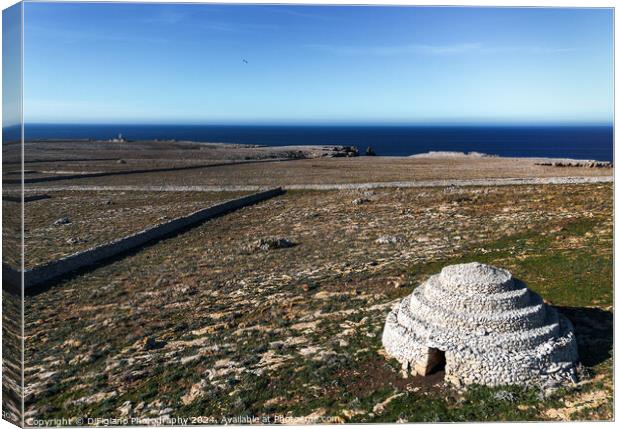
point(273, 243)
point(148, 343)
point(76, 240)
point(380, 407)
point(342, 151)
point(62, 221)
point(489, 327)
point(124, 409)
point(197, 391)
point(588, 163)
point(389, 239)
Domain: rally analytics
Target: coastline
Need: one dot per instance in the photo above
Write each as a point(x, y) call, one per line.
point(579, 141)
point(179, 165)
point(304, 150)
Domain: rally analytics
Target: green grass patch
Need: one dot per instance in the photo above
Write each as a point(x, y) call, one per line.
point(568, 277)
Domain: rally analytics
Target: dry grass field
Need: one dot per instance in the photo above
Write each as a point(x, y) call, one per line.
point(211, 324)
point(275, 311)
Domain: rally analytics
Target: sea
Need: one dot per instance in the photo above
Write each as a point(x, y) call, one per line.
point(579, 142)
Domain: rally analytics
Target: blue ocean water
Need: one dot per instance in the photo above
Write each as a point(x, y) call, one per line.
point(581, 142)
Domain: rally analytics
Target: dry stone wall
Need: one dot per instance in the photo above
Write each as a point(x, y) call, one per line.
point(54, 269)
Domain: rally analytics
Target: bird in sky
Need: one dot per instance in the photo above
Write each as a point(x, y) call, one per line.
point(245, 61)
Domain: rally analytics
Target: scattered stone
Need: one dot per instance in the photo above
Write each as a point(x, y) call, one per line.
point(504, 395)
point(390, 239)
point(62, 221)
point(209, 319)
point(273, 243)
point(370, 151)
point(148, 343)
point(487, 327)
point(189, 290)
point(161, 281)
point(121, 161)
point(274, 401)
point(83, 358)
point(398, 282)
point(324, 295)
point(342, 151)
point(327, 357)
point(124, 409)
point(93, 399)
point(360, 201)
point(197, 391)
point(380, 407)
point(75, 240)
point(303, 326)
point(587, 163)
point(352, 413)
point(71, 343)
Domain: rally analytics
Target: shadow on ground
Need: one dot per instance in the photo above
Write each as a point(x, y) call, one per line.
point(594, 331)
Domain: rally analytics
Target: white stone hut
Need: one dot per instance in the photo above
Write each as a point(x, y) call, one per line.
point(486, 328)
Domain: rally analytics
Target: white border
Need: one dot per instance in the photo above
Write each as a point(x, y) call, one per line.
point(496, 3)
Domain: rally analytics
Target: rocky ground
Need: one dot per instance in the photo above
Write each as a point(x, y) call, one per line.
point(276, 311)
point(90, 154)
point(69, 222)
point(11, 357)
point(330, 171)
point(11, 233)
point(159, 164)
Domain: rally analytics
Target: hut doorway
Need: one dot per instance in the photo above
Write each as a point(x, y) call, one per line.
point(432, 361)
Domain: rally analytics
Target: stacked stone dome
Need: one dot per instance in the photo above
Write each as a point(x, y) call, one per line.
point(486, 326)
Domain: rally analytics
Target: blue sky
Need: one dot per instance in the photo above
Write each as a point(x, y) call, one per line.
point(154, 63)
